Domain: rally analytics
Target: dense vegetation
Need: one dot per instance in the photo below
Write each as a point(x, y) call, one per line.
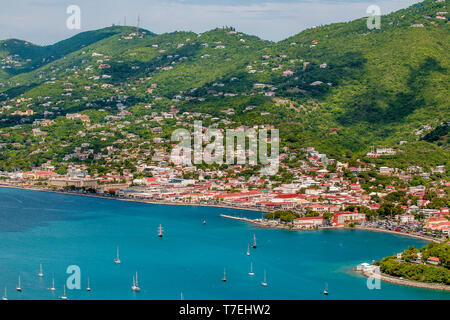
point(412, 268)
point(349, 88)
point(283, 215)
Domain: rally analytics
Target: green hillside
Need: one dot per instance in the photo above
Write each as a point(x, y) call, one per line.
point(341, 88)
point(27, 56)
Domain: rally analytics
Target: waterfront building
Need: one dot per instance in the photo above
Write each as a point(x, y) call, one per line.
point(308, 222)
point(73, 182)
point(39, 175)
point(340, 219)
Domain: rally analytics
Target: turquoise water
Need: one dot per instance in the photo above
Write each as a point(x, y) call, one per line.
point(61, 230)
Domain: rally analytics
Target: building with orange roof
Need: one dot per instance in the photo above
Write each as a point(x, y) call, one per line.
point(340, 219)
point(39, 175)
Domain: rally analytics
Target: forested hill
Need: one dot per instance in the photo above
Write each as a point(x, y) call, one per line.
point(341, 88)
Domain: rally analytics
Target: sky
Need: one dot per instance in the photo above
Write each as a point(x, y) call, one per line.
point(43, 22)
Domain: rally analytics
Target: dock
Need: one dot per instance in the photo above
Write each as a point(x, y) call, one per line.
point(238, 218)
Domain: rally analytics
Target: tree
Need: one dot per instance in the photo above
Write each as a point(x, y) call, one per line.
point(310, 213)
point(388, 209)
point(283, 215)
point(438, 203)
point(328, 215)
point(395, 196)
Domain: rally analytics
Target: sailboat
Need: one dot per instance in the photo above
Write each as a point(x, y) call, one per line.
point(88, 287)
point(135, 286)
point(64, 297)
point(251, 273)
point(264, 283)
point(4, 297)
point(325, 292)
point(117, 259)
point(254, 242)
point(53, 285)
point(160, 232)
point(19, 288)
point(224, 279)
point(248, 250)
point(40, 274)
point(182, 297)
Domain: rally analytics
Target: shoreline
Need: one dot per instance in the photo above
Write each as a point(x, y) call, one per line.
point(167, 203)
point(273, 226)
point(405, 282)
point(256, 223)
point(401, 234)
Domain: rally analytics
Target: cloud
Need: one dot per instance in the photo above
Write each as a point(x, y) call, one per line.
point(44, 21)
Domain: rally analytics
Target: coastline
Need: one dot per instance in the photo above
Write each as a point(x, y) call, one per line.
point(401, 234)
point(405, 282)
point(256, 223)
point(278, 226)
point(167, 203)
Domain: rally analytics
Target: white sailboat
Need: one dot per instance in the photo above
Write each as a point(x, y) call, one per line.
point(251, 273)
point(224, 279)
point(53, 285)
point(4, 297)
point(325, 292)
point(248, 250)
point(264, 283)
point(40, 274)
point(19, 288)
point(117, 259)
point(88, 287)
point(64, 297)
point(254, 242)
point(181, 297)
point(137, 283)
point(160, 231)
point(135, 286)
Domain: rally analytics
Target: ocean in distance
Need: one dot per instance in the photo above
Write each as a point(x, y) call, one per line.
point(58, 230)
